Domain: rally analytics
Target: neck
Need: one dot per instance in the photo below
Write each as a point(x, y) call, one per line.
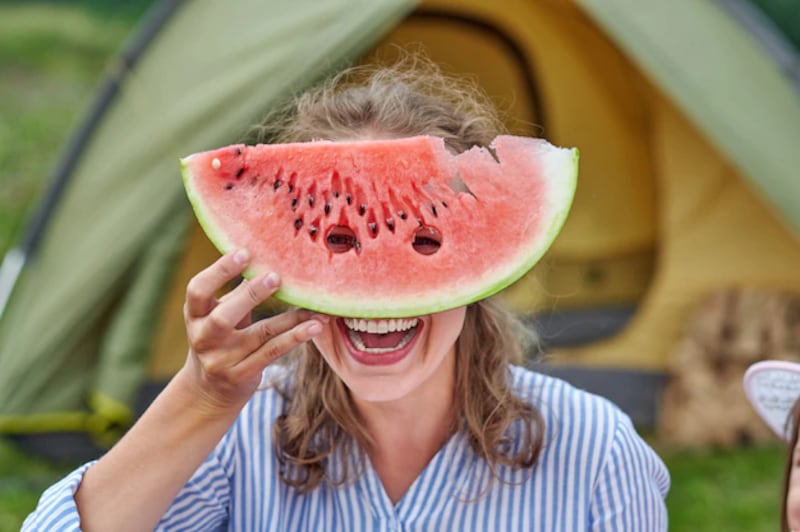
point(408, 432)
point(422, 419)
point(425, 414)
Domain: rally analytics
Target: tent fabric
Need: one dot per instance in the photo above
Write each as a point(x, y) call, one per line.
point(665, 209)
point(718, 74)
point(715, 234)
point(190, 91)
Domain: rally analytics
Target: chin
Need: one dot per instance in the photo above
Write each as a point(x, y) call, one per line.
point(388, 360)
point(379, 390)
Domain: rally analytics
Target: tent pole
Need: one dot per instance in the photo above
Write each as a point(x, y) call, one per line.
point(18, 257)
point(765, 31)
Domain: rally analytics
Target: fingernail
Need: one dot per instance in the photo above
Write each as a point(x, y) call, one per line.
point(324, 318)
point(272, 280)
point(315, 328)
point(242, 256)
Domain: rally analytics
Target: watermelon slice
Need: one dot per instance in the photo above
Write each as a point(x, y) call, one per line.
point(385, 228)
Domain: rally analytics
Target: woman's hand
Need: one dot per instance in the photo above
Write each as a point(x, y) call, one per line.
point(227, 353)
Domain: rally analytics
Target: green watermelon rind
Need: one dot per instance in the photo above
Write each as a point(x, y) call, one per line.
point(561, 167)
point(561, 193)
point(217, 237)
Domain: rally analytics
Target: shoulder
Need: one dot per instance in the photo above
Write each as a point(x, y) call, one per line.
point(586, 429)
point(579, 426)
point(564, 406)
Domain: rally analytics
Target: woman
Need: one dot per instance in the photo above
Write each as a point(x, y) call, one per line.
point(773, 388)
point(790, 509)
point(443, 433)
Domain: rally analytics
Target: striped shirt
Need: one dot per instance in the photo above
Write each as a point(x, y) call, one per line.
point(594, 473)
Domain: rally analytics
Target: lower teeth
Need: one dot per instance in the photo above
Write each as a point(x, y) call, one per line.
point(355, 338)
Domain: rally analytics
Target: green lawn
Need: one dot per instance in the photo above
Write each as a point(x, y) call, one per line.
point(51, 56)
point(22, 479)
point(731, 490)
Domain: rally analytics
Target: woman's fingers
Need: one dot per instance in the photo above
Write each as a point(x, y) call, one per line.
point(236, 306)
point(261, 332)
point(251, 349)
point(228, 353)
point(201, 290)
point(278, 345)
point(225, 344)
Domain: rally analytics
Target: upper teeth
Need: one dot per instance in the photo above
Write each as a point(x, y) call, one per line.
point(380, 326)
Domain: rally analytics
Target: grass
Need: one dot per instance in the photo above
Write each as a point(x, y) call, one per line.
point(785, 14)
point(51, 57)
point(22, 480)
point(731, 490)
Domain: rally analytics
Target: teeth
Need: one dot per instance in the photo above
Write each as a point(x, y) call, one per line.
point(359, 344)
point(380, 326)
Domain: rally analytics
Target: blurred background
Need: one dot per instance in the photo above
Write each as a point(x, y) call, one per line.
point(677, 269)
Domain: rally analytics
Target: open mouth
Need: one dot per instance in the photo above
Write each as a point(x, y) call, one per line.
point(380, 336)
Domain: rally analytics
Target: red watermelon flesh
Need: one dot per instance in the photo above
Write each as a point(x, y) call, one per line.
point(385, 228)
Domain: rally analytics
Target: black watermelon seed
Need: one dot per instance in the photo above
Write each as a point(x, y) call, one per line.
point(238, 151)
point(294, 203)
point(444, 204)
point(240, 172)
point(357, 245)
point(291, 188)
point(311, 201)
point(327, 208)
point(390, 224)
point(373, 227)
point(277, 184)
point(229, 186)
point(433, 210)
point(298, 223)
point(362, 209)
point(312, 230)
point(403, 215)
point(335, 193)
point(348, 199)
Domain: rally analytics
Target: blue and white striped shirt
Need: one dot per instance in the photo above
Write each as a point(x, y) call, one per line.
point(594, 473)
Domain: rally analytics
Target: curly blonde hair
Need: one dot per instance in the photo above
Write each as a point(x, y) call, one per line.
point(409, 98)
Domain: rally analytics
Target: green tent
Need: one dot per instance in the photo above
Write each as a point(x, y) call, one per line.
point(87, 320)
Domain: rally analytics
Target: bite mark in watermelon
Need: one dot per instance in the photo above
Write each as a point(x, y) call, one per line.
point(385, 228)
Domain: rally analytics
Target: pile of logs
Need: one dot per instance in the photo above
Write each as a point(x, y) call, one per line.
point(704, 402)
